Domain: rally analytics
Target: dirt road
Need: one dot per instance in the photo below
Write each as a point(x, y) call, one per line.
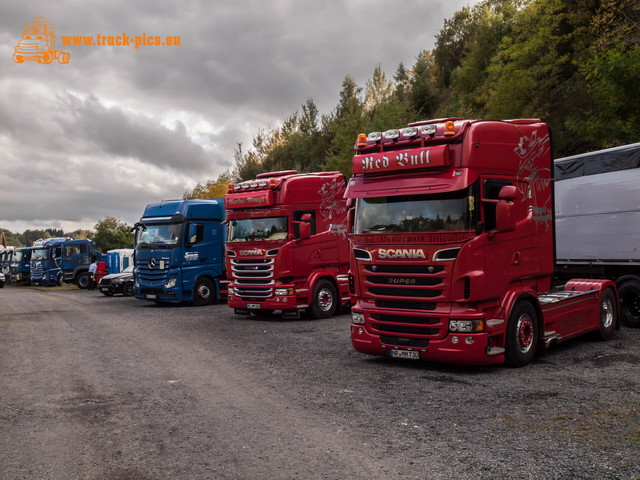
point(97, 387)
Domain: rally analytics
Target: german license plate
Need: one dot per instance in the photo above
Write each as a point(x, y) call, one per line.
point(151, 297)
point(410, 354)
point(253, 306)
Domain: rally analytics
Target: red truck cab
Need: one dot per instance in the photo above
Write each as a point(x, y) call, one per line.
point(287, 246)
point(453, 246)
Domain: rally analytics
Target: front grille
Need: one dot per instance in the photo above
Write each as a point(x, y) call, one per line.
point(404, 342)
point(428, 269)
point(253, 278)
point(404, 292)
point(405, 305)
point(405, 324)
point(151, 276)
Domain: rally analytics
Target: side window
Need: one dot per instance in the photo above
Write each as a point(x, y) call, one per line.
point(195, 233)
point(297, 216)
point(57, 252)
point(490, 197)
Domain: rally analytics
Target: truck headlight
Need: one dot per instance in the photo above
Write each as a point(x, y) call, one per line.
point(171, 283)
point(466, 326)
point(230, 291)
point(357, 318)
point(284, 291)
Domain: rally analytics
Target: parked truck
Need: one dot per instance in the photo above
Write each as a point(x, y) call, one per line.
point(287, 246)
point(20, 266)
point(179, 252)
point(597, 218)
point(55, 261)
point(453, 246)
point(6, 255)
point(46, 256)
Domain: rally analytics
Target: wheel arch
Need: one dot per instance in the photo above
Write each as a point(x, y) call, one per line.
point(315, 277)
point(514, 298)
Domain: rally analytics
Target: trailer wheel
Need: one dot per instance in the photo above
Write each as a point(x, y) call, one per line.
point(608, 315)
point(203, 292)
point(522, 335)
point(324, 300)
point(82, 280)
point(629, 293)
point(63, 57)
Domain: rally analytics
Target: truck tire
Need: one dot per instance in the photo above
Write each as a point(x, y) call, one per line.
point(82, 280)
point(127, 290)
point(59, 280)
point(324, 300)
point(46, 58)
point(522, 335)
point(629, 294)
point(608, 315)
point(203, 292)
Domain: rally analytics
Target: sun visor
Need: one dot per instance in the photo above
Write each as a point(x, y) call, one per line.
point(409, 184)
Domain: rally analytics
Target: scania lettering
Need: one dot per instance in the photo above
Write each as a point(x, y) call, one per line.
point(452, 239)
point(179, 252)
point(287, 246)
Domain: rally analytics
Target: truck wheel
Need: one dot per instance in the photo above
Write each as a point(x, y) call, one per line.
point(59, 280)
point(63, 57)
point(18, 58)
point(629, 293)
point(608, 315)
point(46, 58)
point(127, 290)
point(522, 335)
point(324, 300)
point(203, 292)
point(82, 280)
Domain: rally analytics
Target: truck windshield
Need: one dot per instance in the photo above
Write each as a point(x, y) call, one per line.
point(18, 255)
point(166, 235)
point(40, 254)
point(266, 228)
point(416, 213)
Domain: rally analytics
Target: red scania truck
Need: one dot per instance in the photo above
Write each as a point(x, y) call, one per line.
point(452, 242)
point(287, 246)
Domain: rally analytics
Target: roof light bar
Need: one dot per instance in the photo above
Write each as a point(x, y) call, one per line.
point(428, 129)
point(410, 131)
point(392, 134)
point(374, 136)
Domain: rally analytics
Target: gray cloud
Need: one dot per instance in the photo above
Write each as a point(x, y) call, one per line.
point(120, 127)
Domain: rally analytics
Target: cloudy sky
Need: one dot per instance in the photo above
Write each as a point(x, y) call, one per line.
point(119, 127)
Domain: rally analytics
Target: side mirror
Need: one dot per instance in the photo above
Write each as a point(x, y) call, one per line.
point(506, 209)
point(305, 226)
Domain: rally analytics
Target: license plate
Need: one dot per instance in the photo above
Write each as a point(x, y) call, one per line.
point(151, 297)
point(410, 354)
point(253, 306)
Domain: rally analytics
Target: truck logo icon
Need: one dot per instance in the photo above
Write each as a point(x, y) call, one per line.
point(38, 43)
point(152, 263)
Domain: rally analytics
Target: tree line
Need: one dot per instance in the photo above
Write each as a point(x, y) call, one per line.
point(574, 64)
point(110, 233)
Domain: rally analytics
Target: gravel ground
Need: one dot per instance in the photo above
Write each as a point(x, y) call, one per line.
point(97, 387)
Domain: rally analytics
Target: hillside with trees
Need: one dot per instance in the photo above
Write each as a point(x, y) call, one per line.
point(575, 65)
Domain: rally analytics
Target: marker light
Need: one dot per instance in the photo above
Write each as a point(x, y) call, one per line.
point(392, 134)
point(362, 140)
point(449, 129)
point(374, 136)
point(272, 183)
point(410, 131)
point(428, 129)
point(230, 188)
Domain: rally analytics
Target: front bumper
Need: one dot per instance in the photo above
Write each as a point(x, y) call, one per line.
point(276, 302)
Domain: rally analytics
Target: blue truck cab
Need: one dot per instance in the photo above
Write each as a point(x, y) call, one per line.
point(77, 256)
point(46, 256)
point(59, 260)
point(20, 266)
point(179, 252)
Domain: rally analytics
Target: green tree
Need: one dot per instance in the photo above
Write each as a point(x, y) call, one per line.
point(111, 234)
